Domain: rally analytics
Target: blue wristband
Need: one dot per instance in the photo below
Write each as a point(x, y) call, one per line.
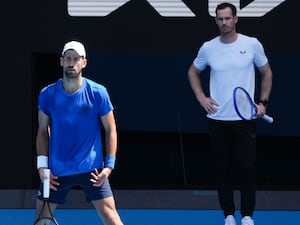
point(110, 161)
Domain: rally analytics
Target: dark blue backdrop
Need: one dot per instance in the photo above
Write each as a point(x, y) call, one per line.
point(151, 92)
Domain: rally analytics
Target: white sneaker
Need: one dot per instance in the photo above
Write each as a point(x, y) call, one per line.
point(247, 220)
point(230, 220)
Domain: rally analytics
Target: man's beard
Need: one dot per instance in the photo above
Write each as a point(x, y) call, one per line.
point(71, 74)
point(225, 30)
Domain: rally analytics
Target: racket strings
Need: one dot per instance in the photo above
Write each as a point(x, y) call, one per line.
point(244, 105)
point(46, 216)
point(45, 221)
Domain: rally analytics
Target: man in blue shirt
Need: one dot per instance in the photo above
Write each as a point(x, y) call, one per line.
point(72, 113)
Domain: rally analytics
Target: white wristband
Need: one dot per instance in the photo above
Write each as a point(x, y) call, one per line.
point(42, 161)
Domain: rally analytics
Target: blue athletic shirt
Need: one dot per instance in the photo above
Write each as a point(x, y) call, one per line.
point(75, 144)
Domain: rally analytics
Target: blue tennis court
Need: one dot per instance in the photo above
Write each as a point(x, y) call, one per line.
point(149, 217)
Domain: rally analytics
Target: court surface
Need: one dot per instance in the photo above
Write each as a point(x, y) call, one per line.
point(149, 217)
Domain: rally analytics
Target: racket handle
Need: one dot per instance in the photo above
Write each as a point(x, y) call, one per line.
point(267, 118)
point(46, 183)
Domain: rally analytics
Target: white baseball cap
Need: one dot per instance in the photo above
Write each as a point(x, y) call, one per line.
point(76, 46)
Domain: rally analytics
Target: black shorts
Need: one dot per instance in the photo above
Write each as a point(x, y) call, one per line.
point(79, 180)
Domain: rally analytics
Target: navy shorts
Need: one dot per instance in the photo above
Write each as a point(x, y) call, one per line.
point(81, 181)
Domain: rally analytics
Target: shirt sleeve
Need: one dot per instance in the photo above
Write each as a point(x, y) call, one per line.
point(200, 62)
point(260, 58)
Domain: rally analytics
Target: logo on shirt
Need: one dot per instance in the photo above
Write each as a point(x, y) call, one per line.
point(85, 109)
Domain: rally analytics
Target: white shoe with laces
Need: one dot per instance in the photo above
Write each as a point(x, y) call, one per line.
point(230, 220)
point(247, 220)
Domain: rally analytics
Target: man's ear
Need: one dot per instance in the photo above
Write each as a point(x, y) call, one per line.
point(61, 61)
point(236, 19)
point(84, 63)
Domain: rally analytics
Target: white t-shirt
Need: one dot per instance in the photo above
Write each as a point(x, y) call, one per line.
point(231, 65)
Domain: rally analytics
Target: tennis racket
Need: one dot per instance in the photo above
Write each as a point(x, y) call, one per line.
point(46, 216)
point(245, 106)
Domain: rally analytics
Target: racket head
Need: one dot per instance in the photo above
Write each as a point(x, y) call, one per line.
point(243, 104)
point(45, 216)
point(45, 221)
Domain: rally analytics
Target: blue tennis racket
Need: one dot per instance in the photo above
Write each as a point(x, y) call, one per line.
point(245, 107)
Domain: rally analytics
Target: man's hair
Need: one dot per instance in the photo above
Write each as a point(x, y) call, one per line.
point(226, 5)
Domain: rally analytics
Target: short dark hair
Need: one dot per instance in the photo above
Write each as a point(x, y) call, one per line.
point(226, 5)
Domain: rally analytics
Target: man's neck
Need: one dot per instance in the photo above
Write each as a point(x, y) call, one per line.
point(72, 85)
point(229, 37)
